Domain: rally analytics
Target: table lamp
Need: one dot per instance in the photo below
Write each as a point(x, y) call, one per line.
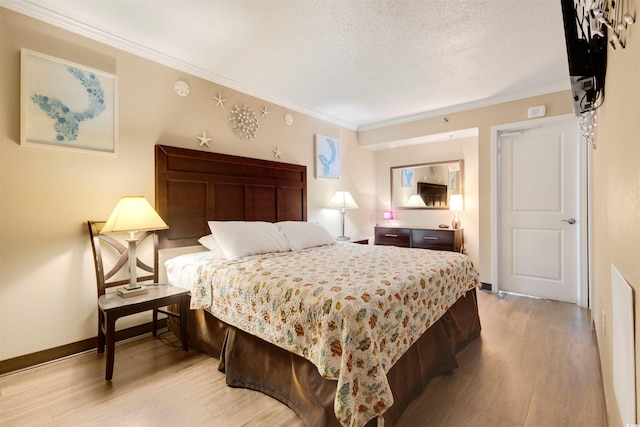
point(342, 200)
point(387, 216)
point(455, 204)
point(132, 214)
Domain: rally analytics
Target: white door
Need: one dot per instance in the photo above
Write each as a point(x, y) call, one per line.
point(539, 211)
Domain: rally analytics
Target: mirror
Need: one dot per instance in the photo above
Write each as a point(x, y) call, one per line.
point(426, 185)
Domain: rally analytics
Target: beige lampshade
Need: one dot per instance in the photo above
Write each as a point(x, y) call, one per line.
point(455, 202)
point(342, 200)
point(133, 213)
point(415, 201)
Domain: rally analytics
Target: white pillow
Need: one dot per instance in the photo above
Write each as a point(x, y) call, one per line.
point(303, 235)
point(182, 271)
point(210, 242)
point(240, 238)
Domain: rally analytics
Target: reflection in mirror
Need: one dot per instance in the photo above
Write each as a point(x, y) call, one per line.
point(427, 185)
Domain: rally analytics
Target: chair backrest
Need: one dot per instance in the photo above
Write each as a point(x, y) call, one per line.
point(103, 277)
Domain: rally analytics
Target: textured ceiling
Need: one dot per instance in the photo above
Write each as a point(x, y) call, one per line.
point(362, 64)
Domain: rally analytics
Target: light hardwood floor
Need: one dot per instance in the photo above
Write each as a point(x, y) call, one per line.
point(536, 364)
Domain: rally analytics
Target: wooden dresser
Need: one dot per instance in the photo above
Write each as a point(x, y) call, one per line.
point(443, 239)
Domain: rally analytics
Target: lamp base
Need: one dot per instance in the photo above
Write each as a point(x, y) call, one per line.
point(127, 292)
point(343, 238)
point(455, 224)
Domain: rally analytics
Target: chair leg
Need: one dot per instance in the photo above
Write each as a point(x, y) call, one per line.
point(184, 338)
point(155, 323)
point(101, 339)
point(111, 346)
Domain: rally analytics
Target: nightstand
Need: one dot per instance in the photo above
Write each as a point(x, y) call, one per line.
point(111, 307)
point(443, 239)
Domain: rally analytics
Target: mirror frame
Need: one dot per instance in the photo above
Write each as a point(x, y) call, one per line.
point(442, 163)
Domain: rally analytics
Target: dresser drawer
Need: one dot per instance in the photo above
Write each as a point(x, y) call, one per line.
point(393, 236)
point(432, 239)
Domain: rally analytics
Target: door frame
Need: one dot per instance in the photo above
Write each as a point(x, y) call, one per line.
point(585, 287)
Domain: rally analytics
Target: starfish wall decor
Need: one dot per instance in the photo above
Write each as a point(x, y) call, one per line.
point(219, 100)
point(204, 139)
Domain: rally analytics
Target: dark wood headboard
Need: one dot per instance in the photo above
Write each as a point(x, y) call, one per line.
point(433, 194)
point(193, 187)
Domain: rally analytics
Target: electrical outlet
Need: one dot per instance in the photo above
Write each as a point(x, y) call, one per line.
point(604, 324)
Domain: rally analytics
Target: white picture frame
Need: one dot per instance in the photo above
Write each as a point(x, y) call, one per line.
point(64, 105)
point(327, 157)
point(407, 177)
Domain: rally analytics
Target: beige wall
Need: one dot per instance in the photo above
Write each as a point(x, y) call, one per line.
point(47, 282)
point(615, 188)
point(47, 293)
point(616, 201)
point(483, 119)
point(466, 149)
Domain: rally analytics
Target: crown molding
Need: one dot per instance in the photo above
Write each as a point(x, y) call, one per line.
point(50, 16)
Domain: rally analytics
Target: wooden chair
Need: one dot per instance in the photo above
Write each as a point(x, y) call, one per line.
point(111, 306)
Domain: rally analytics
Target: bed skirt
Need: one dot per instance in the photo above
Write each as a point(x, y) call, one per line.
point(249, 362)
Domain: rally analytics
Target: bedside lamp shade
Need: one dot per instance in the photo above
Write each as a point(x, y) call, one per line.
point(342, 200)
point(131, 214)
point(455, 202)
point(387, 215)
point(415, 201)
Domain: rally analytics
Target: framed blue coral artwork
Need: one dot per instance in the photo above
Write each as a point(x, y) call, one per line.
point(66, 105)
point(327, 157)
point(407, 177)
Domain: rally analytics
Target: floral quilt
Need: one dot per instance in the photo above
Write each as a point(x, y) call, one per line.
point(352, 310)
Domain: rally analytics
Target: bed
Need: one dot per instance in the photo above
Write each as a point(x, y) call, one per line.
point(344, 334)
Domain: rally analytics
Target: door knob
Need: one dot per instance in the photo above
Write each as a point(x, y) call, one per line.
point(570, 220)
